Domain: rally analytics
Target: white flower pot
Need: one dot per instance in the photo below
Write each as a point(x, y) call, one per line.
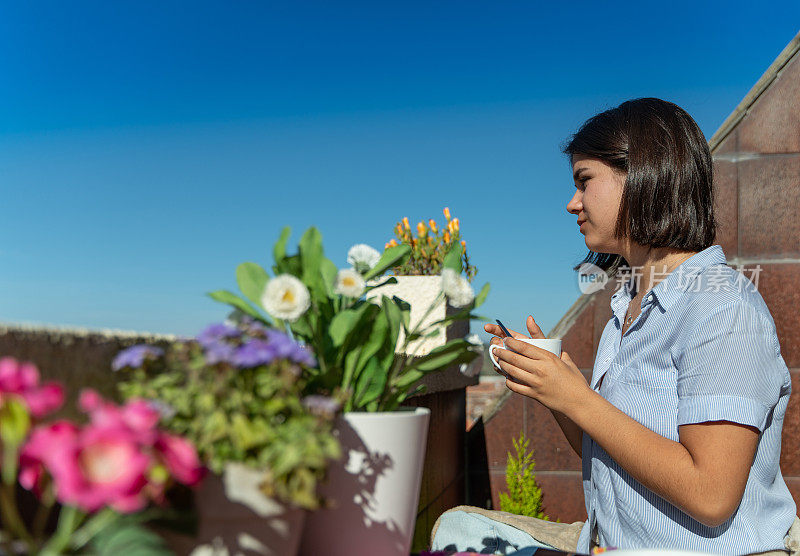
point(420, 292)
point(374, 489)
point(236, 518)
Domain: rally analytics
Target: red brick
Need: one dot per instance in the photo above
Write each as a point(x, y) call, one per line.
point(726, 206)
point(602, 310)
point(551, 451)
point(772, 124)
point(502, 428)
point(779, 285)
point(790, 437)
point(794, 487)
point(579, 339)
point(769, 195)
point(728, 145)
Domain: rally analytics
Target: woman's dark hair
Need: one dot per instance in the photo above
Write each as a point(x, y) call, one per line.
point(668, 198)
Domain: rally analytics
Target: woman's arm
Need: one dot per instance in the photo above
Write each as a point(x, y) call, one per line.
point(572, 432)
point(704, 474)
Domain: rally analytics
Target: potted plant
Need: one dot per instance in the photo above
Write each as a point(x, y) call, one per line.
point(419, 277)
point(100, 478)
point(354, 336)
point(236, 391)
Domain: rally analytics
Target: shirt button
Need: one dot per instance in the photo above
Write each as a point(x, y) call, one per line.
point(649, 298)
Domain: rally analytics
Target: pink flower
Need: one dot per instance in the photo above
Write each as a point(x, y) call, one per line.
point(119, 460)
point(22, 379)
point(103, 466)
point(180, 458)
point(137, 416)
point(44, 444)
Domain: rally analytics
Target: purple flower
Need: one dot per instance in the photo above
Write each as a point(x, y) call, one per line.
point(254, 353)
point(219, 352)
point(286, 348)
point(216, 332)
point(321, 405)
point(135, 356)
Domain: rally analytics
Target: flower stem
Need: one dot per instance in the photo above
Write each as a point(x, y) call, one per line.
point(10, 514)
point(43, 512)
point(68, 521)
point(95, 524)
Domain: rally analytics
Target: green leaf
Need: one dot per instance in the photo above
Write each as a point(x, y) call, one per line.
point(371, 383)
point(279, 250)
point(311, 258)
point(344, 323)
point(454, 351)
point(252, 280)
point(378, 334)
point(328, 273)
point(481, 297)
point(14, 421)
point(405, 309)
point(409, 377)
point(393, 256)
point(452, 259)
point(230, 298)
point(390, 280)
point(129, 539)
point(397, 314)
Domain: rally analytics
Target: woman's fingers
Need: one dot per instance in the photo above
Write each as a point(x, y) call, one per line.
point(533, 328)
point(497, 331)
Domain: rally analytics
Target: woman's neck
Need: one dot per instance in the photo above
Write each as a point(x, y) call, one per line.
point(652, 265)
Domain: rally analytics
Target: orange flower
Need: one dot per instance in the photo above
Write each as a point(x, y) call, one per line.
point(447, 213)
point(421, 229)
point(392, 243)
point(430, 240)
point(432, 224)
point(455, 223)
point(464, 244)
point(398, 229)
point(447, 237)
point(451, 226)
point(405, 223)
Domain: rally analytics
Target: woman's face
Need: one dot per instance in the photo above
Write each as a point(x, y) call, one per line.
point(596, 202)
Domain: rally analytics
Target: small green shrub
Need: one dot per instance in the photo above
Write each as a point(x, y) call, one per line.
point(524, 495)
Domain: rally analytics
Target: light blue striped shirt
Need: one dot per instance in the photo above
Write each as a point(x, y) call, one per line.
point(704, 348)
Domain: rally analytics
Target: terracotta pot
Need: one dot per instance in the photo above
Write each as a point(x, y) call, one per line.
point(235, 518)
point(374, 489)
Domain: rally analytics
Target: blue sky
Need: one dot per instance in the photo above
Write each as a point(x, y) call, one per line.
point(146, 148)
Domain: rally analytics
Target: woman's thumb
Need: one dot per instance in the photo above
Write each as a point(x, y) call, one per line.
point(533, 328)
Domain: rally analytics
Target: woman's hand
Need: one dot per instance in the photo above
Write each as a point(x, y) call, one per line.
point(554, 381)
point(533, 329)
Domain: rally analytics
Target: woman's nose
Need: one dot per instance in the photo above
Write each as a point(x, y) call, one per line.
point(576, 203)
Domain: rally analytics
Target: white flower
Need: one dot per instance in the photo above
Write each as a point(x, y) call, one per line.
point(349, 282)
point(456, 288)
point(362, 257)
point(286, 297)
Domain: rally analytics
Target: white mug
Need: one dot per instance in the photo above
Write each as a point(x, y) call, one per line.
point(553, 346)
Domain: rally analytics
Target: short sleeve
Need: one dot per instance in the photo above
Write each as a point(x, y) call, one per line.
point(730, 368)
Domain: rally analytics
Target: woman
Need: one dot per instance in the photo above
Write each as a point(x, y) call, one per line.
point(679, 431)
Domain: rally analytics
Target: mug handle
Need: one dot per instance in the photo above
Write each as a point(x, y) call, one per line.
point(494, 361)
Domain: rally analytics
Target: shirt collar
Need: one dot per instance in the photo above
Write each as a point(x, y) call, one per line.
point(675, 284)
